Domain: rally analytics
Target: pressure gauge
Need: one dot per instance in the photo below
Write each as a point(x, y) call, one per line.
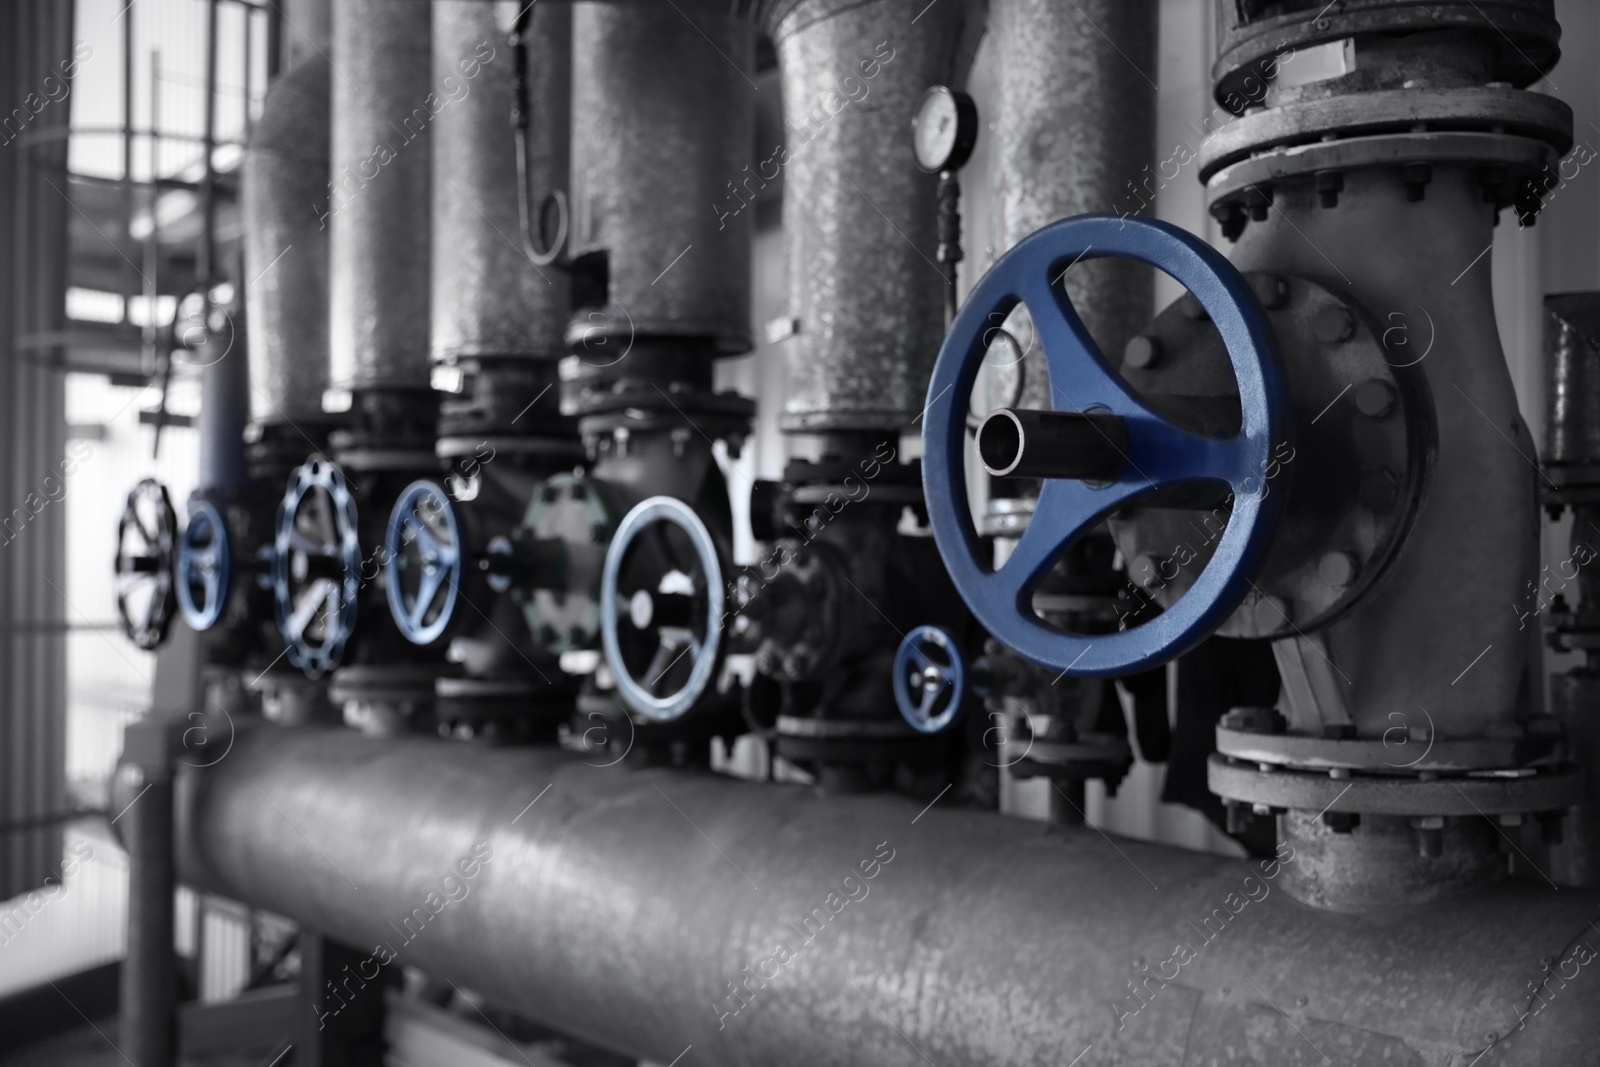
point(944, 129)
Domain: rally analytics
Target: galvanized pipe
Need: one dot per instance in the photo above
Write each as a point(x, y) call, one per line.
point(860, 220)
point(667, 100)
point(286, 248)
point(384, 106)
point(489, 299)
point(628, 906)
point(1074, 129)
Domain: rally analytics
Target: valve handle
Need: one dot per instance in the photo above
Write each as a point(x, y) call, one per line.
point(661, 607)
point(146, 540)
point(426, 556)
point(316, 566)
point(1155, 453)
point(931, 674)
point(205, 566)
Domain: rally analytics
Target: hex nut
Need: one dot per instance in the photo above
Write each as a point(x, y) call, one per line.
point(1141, 352)
point(1332, 324)
point(1271, 289)
point(1338, 569)
point(1374, 398)
point(1255, 720)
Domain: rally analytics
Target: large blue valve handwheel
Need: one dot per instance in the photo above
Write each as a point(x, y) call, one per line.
point(205, 566)
point(930, 679)
point(425, 556)
point(1158, 453)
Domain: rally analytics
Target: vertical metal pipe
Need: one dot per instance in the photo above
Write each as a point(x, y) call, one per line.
point(224, 410)
point(286, 248)
point(384, 106)
point(205, 259)
point(1075, 124)
point(149, 972)
point(489, 299)
point(860, 220)
point(666, 130)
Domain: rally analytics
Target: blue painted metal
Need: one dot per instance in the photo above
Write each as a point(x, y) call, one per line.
point(703, 649)
point(336, 536)
point(437, 549)
point(1159, 453)
point(930, 679)
point(205, 566)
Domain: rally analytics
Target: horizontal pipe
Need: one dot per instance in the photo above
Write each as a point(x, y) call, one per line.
point(1053, 444)
point(625, 906)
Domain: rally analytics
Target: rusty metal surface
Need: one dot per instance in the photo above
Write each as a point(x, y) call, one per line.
point(385, 103)
point(624, 906)
point(1572, 354)
point(665, 128)
point(489, 299)
point(1075, 128)
point(285, 178)
point(1447, 602)
point(859, 218)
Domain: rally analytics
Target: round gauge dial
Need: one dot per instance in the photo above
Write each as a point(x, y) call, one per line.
point(944, 129)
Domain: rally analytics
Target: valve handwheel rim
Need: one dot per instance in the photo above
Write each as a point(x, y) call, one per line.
point(1157, 453)
point(647, 520)
point(148, 566)
point(440, 559)
point(929, 704)
point(299, 598)
point(205, 566)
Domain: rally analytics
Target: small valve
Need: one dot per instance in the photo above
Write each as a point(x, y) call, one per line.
point(661, 607)
point(147, 537)
point(932, 679)
point(205, 566)
point(316, 566)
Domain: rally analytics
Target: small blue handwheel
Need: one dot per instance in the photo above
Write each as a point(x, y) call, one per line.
point(1149, 453)
point(425, 558)
point(930, 679)
point(316, 566)
point(661, 605)
point(205, 566)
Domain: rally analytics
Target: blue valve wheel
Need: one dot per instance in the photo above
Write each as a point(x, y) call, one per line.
point(147, 535)
point(316, 566)
point(930, 679)
point(425, 555)
point(1158, 453)
point(661, 605)
point(205, 566)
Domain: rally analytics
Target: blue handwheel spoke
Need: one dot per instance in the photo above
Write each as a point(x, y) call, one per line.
point(1081, 377)
point(1065, 511)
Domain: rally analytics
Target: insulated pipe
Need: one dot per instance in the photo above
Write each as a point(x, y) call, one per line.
point(286, 248)
point(860, 220)
point(1075, 126)
point(668, 104)
point(628, 906)
point(224, 409)
point(384, 106)
point(489, 299)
